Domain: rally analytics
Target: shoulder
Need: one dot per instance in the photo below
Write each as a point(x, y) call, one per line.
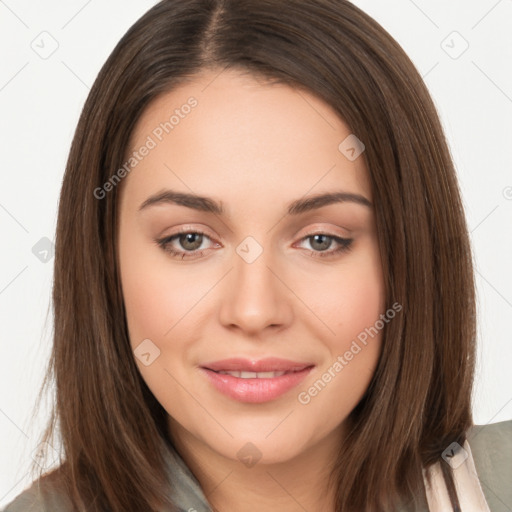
point(491, 447)
point(43, 495)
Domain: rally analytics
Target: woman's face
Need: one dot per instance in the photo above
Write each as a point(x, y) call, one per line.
point(274, 275)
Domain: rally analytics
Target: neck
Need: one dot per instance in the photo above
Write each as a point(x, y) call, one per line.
point(300, 483)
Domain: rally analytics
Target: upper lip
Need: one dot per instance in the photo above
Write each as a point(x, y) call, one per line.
point(269, 364)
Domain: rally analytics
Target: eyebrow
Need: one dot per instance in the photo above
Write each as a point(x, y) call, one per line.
point(207, 204)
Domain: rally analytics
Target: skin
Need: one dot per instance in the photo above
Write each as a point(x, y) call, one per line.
point(255, 147)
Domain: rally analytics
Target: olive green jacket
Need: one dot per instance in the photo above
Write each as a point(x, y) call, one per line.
point(491, 448)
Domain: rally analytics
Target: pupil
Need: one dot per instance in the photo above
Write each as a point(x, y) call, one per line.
point(189, 238)
point(325, 244)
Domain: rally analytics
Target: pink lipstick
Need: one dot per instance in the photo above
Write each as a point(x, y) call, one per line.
point(255, 381)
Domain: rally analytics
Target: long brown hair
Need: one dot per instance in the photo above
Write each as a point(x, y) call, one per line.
point(419, 400)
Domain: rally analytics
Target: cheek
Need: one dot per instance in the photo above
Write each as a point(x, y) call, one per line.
point(351, 299)
point(353, 346)
point(148, 303)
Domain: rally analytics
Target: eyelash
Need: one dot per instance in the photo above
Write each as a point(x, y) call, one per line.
point(345, 244)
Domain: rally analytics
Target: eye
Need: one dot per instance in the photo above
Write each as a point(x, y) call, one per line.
point(320, 242)
point(190, 241)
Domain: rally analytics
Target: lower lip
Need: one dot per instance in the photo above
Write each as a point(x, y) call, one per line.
point(255, 390)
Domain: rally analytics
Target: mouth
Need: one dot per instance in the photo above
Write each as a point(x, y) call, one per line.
point(255, 381)
point(254, 375)
point(247, 368)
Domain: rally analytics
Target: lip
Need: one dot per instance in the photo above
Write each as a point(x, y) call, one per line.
point(269, 364)
point(257, 390)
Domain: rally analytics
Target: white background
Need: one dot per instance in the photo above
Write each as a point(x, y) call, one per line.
point(41, 99)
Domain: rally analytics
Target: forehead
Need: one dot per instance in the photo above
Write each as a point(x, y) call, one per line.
point(225, 132)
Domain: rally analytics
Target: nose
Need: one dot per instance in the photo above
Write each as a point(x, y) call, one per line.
point(255, 296)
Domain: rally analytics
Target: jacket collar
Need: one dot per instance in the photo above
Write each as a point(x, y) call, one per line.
point(189, 497)
point(186, 491)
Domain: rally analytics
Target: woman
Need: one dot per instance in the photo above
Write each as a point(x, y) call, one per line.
point(263, 291)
